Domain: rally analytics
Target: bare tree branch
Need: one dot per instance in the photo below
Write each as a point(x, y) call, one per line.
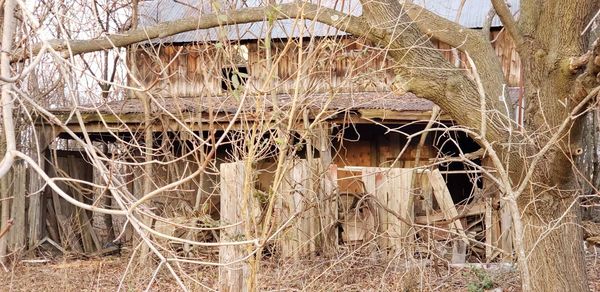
point(508, 21)
point(487, 24)
point(348, 23)
point(442, 29)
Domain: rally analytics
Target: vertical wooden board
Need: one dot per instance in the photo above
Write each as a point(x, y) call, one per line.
point(18, 232)
point(330, 191)
point(51, 221)
point(327, 208)
point(426, 192)
point(400, 200)
point(82, 170)
point(492, 220)
point(496, 229)
point(405, 180)
point(62, 209)
point(34, 212)
point(233, 276)
point(301, 199)
point(297, 196)
point(286, 192)
point(372, 180)
point(393, 189)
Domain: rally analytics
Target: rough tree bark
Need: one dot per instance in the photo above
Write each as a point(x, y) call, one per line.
point(550, 33)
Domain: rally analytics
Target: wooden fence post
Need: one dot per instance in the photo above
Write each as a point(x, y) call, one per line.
point(233, 275)
point(327, 190)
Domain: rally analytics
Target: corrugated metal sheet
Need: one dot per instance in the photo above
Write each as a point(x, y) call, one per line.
point(152, 12)
point(474, 12)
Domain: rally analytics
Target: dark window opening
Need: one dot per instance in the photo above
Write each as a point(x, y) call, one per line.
point(464, 185)
point(233, 78)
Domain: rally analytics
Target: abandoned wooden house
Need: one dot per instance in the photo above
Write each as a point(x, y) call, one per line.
point(356, 170)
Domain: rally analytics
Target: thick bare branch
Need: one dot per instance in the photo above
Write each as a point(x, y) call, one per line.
point(441, 28)
point(508, 21)
point(345, 22)
point(451, 89)
point(8, 29)
point(487, 24)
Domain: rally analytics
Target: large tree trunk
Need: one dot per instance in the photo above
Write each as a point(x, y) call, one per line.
point(550, 211)
point(556, 259)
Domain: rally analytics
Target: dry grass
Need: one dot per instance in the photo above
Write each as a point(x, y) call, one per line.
point(347, 273)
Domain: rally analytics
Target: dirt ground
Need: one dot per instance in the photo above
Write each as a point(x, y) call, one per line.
point(346, 273)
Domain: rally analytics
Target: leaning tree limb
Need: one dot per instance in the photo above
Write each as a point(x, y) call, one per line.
point(349, 23)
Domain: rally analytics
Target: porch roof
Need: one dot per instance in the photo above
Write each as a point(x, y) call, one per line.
point(407, 102)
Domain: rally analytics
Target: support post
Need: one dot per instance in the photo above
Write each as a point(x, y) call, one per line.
point(328, 190)
point(234, 272)
point(328, 209)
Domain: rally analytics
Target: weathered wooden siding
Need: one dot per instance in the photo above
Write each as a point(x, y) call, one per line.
point(376, 151)
point(505, 50)
point(326, 65)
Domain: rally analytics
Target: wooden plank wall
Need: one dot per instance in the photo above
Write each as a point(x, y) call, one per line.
point(343, 64)
point(182, 197)
point(68, 225)
point(505, 50)
point(379, 153)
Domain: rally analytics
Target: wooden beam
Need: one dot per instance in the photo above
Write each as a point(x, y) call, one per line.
point(444, 199)
point(391, 115)
point(478, 208)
